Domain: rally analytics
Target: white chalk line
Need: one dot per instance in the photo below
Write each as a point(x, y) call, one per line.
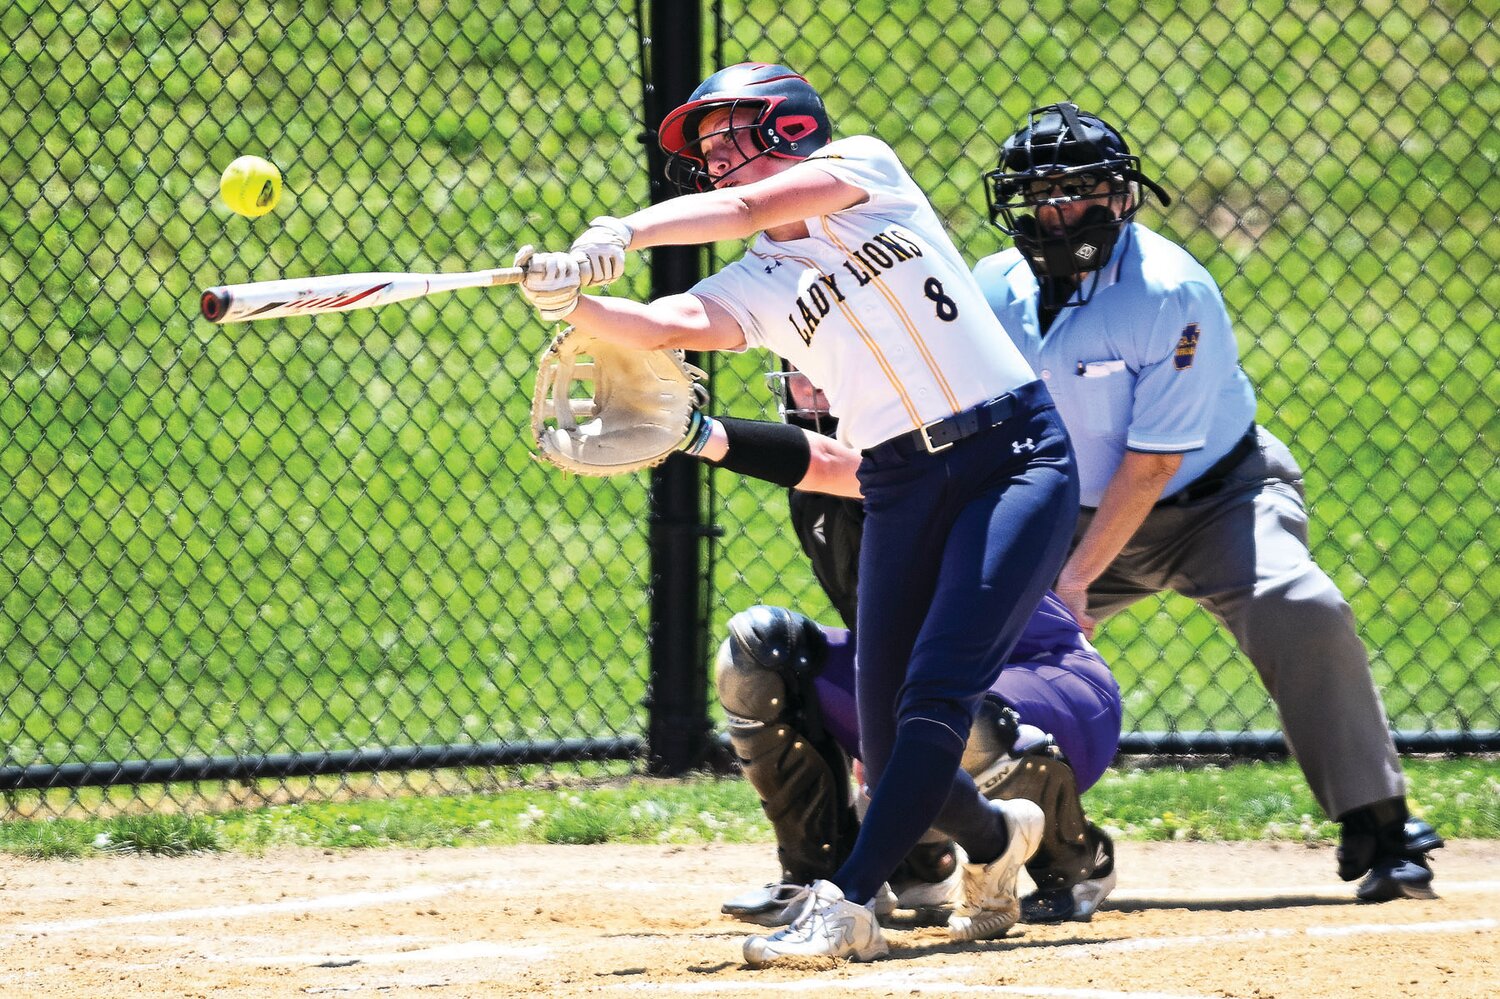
point(1277, 933)
point(352, 900)
point(470, 950)
point(908, 983)
point(920, 982)
point(1229, 895)
point(250, 910)
point(413, 893)
point(482, 949)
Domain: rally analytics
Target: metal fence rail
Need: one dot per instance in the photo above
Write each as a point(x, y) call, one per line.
point(321, 546)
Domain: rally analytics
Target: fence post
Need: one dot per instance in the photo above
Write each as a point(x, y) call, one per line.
point(678, 733)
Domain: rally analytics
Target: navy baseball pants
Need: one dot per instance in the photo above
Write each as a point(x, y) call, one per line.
point(958, 548)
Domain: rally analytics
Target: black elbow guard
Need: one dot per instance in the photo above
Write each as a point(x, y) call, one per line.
point(774, 452)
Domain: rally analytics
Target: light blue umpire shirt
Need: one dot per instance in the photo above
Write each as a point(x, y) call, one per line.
point(1149, 364)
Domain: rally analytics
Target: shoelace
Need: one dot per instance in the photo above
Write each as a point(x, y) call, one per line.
point(808, 925)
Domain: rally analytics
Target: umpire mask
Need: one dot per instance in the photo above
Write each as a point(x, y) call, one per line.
point(1060, 159)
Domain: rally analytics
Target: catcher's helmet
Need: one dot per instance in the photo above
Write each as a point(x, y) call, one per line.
point(1072, 152)
point(800, 402)
point(790, 120)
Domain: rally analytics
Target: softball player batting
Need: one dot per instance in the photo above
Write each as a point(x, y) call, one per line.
point(1181, 490)
point(968, 478)
point(1049, 725)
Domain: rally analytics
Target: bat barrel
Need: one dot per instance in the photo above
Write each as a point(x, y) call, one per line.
point(214, 304)
point(313, 296)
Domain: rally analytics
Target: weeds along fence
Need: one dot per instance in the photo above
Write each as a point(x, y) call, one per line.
point(321, 549)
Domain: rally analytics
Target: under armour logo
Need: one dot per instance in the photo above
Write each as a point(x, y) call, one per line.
point(771, 267)
point(817, 530)
point(1026, 445)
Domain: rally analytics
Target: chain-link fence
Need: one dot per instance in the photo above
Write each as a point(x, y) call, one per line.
point(322, 545)
point(1334, 165)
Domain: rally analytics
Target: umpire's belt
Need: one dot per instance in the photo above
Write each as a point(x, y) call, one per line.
point(939, 435)
point(1212, 480)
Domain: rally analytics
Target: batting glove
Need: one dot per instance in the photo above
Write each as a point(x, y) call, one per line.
point(551, 282)
point(603, 245)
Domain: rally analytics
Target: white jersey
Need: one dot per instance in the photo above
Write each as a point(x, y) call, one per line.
point(875, 305)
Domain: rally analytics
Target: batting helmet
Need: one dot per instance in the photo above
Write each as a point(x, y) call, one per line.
point(790, 120)
point(1082, 158)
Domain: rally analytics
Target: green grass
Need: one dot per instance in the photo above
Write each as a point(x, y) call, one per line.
point(324, 534)
point(1247, 802)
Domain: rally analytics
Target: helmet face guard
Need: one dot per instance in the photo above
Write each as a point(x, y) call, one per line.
point(1060, 158)
point(772, 112)
point(800, 402)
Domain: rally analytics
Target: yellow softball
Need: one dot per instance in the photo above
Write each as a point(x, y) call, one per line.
point(250, 186)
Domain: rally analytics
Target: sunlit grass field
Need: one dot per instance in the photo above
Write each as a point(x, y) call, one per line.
point(330, 533)
point(1256, 801)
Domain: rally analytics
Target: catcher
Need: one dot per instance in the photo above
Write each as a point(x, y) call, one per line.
point(1047, 730)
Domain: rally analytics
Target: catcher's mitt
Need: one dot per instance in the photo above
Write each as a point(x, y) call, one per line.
point(602, 409)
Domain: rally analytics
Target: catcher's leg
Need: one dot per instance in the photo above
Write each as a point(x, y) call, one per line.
point(765, 672)
point(1074, 866)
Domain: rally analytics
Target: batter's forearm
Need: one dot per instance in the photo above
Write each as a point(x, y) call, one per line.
point(786, 455)
point(692, 219)
point(794, 195)
point(677, 321)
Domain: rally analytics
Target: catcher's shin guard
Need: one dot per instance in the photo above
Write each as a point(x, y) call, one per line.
point(1010, 760)
point(765, 672)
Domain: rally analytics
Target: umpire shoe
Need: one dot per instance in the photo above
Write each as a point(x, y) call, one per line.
point(829, 926)
point(1405, 874)
point(1078, 903)
point(1383, 844)
point(990, 906)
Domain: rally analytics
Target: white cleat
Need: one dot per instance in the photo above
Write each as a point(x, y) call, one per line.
point(990, 906)
point(773, 905)
point(831, 926)
point(927, 901)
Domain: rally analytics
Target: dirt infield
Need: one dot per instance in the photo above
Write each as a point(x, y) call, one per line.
point(1189, 921)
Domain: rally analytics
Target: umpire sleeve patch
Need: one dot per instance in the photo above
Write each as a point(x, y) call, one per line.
point(1187, 347)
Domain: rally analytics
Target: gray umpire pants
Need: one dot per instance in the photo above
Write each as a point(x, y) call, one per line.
point(1242, 554)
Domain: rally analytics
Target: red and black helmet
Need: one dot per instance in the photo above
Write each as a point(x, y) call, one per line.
point(790, 120)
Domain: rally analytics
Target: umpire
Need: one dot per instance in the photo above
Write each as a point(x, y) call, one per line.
point(1181, 490)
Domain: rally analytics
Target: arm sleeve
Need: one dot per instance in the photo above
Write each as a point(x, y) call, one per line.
point(1187, 354)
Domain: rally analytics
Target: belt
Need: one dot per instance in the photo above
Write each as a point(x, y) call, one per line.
point(1212, 480)
point(939, 435)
